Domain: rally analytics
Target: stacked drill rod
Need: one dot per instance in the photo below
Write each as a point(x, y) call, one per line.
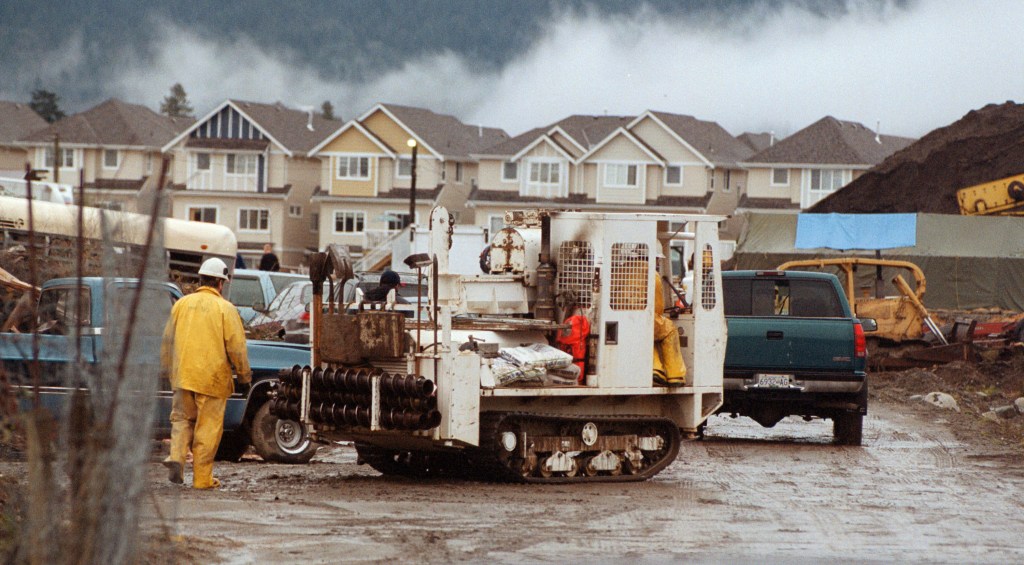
point(343, 396)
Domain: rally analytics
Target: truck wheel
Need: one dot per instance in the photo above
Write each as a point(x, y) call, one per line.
point(280, 441)
point(848, 428)
point(233, 446)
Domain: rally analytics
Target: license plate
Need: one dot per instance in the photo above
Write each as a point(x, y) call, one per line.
point(771, 380)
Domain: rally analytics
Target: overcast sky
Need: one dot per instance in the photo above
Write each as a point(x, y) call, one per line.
point(912, 69)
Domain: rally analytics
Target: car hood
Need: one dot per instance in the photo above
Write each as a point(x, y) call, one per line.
point(273, 355)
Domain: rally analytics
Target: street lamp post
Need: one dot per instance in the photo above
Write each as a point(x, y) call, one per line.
point(412, 190)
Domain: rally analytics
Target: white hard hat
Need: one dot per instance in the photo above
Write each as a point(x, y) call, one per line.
point(214, 267)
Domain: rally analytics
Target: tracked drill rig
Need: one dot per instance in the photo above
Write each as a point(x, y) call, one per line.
point(422, 396)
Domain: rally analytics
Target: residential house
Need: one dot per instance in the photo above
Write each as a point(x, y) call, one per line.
point(366, 176)
point(798, 171)
point(245, 165)
point(654, 161)
point(112, 149)
point(16, 121)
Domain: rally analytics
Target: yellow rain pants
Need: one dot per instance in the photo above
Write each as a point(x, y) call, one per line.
point(197, 422)
point(668, 357)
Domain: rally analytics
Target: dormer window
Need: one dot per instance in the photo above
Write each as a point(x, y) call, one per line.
point(357, 168)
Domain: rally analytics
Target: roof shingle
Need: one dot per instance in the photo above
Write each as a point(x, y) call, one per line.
point(444, 133)
point(113, 123)
point(18, 120)
point(288, 126)
point(832, 142)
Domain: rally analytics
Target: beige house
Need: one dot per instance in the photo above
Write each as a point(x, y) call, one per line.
point(798, 171)
point(366, 174)
point(246, 166)
point(654, 161)
point(16, 121)
point(113, 147)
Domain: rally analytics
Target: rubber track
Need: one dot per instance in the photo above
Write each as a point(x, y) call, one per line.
point(488, 457)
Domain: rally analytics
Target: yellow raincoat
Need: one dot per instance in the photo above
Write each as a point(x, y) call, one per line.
point(202, 341)
point(668, 357)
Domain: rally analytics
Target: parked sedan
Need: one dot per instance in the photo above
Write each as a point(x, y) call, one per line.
point(252, 290)
point(288, 315)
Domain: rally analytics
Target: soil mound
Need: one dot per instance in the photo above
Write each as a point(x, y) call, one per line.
point(985, 145)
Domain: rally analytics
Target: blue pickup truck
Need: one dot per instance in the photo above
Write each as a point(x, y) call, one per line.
point(794, 348)
point(247, 420)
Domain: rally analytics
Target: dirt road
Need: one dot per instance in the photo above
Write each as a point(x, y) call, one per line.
point(747, 494)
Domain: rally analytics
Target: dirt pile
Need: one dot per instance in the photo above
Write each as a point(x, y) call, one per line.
point(977, 388)
point(985, 145)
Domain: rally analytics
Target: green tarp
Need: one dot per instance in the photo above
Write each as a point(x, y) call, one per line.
point(969, 261)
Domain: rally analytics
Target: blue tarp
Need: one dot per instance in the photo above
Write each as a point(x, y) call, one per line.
point(856, 231)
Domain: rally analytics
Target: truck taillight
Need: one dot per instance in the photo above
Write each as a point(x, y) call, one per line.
point(860, 344)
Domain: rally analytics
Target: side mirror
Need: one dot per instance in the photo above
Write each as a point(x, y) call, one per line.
point(260, 307)
point(869, 324)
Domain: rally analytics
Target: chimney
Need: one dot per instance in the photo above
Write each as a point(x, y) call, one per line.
point(481, 130)
point(309, 120)
point(771, 138)
point(878, 131)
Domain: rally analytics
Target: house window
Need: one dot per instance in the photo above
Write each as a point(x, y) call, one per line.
point(458, 172)
point(510, 171)
point(67, 160)
point(294, 211)
point(149, 163)
point(821, 183)
point(726, 186)
point(240, 164)
point(780, 177)
point(397, 220)
point(404, 167)
point(354, 168)
point(674, 175)
point(202, 214)
point(254, 219)
point(495, 223)
point(349, 222)
point(202, 161)
point(545, 173)
point(620, 175)
point(110, 158)
point(314, 222)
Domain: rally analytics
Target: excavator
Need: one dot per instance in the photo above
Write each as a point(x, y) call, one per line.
point(1003, 197)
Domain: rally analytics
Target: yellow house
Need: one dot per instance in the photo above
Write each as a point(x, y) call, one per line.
point(113, 148)
point(366, 176)
point(245, 165)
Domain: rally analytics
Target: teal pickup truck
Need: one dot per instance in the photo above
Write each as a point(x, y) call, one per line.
point(247, 419)
point(794, 348)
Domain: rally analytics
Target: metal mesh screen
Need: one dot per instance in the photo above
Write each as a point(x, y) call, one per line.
point(628, 289)
point(576, 271)
point(707, 287)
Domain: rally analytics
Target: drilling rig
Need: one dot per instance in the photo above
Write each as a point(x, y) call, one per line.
point(475, 386)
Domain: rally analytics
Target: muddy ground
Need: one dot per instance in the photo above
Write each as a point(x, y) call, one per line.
point(928, 485)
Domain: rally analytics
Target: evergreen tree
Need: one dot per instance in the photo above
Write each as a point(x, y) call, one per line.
point(327, 109)
point(176, 103)
point(46, 104)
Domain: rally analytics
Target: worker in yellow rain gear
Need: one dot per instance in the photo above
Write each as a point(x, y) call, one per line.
point(669, 367)
point(202, 341)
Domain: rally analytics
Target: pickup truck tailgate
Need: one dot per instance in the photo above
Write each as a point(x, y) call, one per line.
point(782, 344)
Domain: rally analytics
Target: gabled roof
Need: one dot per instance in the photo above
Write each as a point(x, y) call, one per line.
point(441, 134)
point(353, 124)
point(707, 139)
point(632, 138)
point(584, 131)
point(286, 127)
point(18, 120)
point(113, 123)
point(544, 138)
point(829, 141)
point(757, 141)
